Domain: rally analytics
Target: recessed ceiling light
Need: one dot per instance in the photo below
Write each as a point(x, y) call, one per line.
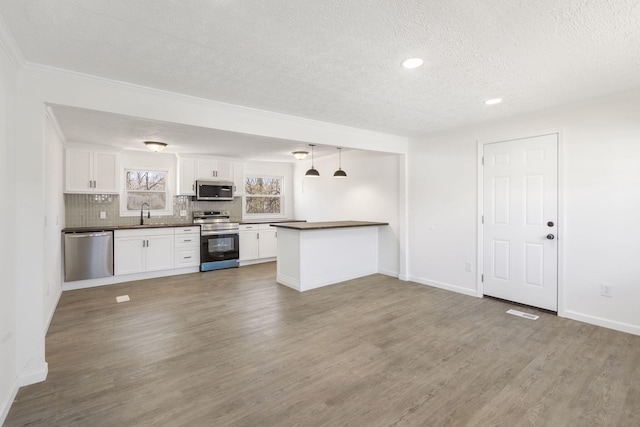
point(493, 101)
point(412, 63)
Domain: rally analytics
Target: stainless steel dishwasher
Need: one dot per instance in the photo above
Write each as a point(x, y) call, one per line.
point(88, 255)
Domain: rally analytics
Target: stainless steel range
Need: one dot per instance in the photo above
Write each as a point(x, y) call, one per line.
point(219, 240)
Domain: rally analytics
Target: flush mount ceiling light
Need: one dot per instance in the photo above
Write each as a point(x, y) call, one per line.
point(155, 146)
point(340, 173)
point(313, 172)
point(412, 63)
point(300, 154)
point(493, 101)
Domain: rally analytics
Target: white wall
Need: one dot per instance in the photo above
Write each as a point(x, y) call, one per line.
point(600, 186)
point(8, 377)
point(54, 219)
point(371, 192)
point(275, 169)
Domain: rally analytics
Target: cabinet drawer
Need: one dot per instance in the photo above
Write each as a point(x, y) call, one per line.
point(187, 257)
point(188, 240)
point(248, 227)
point(187, 230)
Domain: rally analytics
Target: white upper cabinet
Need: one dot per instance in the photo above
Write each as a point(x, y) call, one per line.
point(90, 171)
point(238, 179)
point(213, 169)
point(186, 176)
point(193, 168)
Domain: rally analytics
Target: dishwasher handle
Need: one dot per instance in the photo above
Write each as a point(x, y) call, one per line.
point(78, 235)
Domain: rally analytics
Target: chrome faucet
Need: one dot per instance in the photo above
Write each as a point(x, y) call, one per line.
point(148, 212)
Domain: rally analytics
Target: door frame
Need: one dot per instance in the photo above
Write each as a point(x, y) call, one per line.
point(561, 217)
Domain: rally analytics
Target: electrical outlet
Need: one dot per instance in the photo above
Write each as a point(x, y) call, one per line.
point(467, 267)
point(606, 290)
point(183, 212)
point(103, 215)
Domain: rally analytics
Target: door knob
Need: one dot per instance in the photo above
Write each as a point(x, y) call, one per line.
point(550, 236)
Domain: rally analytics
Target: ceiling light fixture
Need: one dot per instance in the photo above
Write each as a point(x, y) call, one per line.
point(493, 101)
point(340, 173)
point(412, 63)
point(155, 146)
point(300, 154)
point(313, 172)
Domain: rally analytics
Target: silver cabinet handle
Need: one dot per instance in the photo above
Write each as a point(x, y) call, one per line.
point(187, 257)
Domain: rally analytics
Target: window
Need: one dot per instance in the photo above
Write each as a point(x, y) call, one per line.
point(263, 196)
point(146, 186)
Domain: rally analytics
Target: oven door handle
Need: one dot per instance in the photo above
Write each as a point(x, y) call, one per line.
point(219, 233)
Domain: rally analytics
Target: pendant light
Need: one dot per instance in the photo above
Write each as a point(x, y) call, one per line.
point(313, 172)
point(340, 173)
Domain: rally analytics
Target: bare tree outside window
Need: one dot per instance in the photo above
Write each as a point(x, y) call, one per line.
point(146, 187)
point(263, 195)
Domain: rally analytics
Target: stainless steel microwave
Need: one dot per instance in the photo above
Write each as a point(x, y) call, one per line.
point(214, 190)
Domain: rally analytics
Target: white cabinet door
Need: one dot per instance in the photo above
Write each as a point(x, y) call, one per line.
point(213, 169)
point(187, 177)
point(248, 245)
point(159, 254)
point(89, 171)
point(205, 168)
point(238, 179)
point(105, 172)
point(223, 170)
point(268, 243)
point(129, 255)
point(78, 171)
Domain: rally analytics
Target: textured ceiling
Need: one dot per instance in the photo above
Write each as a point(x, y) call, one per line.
point(339, 61)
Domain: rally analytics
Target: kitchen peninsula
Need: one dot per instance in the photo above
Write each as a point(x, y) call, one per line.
point(316, 254)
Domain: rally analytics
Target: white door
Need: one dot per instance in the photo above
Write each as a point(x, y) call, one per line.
point(520, 248)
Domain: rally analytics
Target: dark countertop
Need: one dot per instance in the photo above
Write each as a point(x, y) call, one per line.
point(327, 225)
point(122, 227)
point(269, 221)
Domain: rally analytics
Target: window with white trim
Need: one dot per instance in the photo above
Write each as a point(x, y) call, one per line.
point(146, 186)
point(263, 196)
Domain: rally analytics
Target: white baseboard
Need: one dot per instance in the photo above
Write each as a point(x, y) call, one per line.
point(111, 280)
point(605, 323)
point(53, 310)
point(34, 376)
point(389, 273)
point(324, 280)
point(5, 404)
point(445, 286)
point(288, 281)
point(256, 261)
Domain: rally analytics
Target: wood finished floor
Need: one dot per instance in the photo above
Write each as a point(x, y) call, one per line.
point(232, 347)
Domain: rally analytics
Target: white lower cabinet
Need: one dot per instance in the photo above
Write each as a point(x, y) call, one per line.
point(138, 251)
point(258, 242)
point(187, 252)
